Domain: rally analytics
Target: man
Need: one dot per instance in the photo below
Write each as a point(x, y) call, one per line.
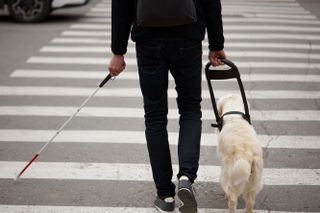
point(178, 50)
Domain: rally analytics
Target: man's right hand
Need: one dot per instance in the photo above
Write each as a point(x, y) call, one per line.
point(116, 65)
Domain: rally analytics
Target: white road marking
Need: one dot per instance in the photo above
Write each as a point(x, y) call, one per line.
point(81, 40)
point(74, 74)
point(91, 26)
point(99, 9)
point(238, 3)
point(267, 28)
point(142, 172)
point(272, 36)
point(229, 20)
point(265, 15)
point(132, 61)
point(247, 45)
point(138, 137)
point(231, 53)
point(238, 36)
point(243, 14)
point(259, 3)
point(126, 112)
point(136, 92)
point(86, 33)
point(240, 10)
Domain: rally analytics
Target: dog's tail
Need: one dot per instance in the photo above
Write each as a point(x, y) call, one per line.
point(240, 172)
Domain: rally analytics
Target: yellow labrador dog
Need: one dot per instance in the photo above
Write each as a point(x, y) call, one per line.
point(240, 153)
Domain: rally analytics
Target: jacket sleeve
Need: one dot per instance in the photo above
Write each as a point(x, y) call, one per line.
point(122, 18)
point(212, 12)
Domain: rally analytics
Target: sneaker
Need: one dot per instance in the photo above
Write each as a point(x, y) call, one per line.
point(186, 195)
point(165, 205)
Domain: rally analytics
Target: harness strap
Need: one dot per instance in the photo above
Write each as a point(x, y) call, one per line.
point(219, 123)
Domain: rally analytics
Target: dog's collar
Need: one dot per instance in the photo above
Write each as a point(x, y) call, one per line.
point(234, 113)
point(220, 121)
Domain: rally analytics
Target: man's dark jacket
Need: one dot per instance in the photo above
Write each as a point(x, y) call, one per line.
point(123, 21)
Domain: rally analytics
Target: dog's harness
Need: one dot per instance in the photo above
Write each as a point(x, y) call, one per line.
point(233, 72)
point(219, 123)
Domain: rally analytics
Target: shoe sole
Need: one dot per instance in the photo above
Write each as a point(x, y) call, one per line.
point(162, 210)
point(188, 200)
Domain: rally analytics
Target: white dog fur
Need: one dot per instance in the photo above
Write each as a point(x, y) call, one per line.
point(240, 153)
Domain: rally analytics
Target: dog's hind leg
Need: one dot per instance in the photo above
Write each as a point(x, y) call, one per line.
point(250, 200)
point(232, 201)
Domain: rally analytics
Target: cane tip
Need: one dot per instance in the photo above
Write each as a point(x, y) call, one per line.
point(16, 178)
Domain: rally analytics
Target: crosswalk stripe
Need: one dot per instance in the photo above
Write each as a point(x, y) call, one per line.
point(272, 36)
point(227, 11)
point(264, 20)
point(251, 45)
point(238, 36)
point(246, 14)
point(237, 3)
point(99, 9)
point(267, 28)
point(121, 112)
point(231, 53)
point(273, 7)
point(91, 26)
point(260, 1)
point(81, 40)
point(100, 209)
point(268, 54)
point(235, 10)
point(261, 5)
point(264, 8)
point(142, 172)
point(138, 137)
point(265, 15)
point(227, 20)
point(67, 74)
point(244, 5)
point(256, 3)
point(86, 33)
point(132, 61)
point(273, 45)
point(253, 1)
point(135, 92)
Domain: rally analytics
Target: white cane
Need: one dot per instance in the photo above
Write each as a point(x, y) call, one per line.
point(62, 127)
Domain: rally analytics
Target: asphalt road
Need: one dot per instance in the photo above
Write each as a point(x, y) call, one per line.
point(100, 162)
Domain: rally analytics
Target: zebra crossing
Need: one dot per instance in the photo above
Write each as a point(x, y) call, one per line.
point(100, 162)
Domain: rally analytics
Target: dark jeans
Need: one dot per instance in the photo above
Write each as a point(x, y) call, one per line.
point(183, 58)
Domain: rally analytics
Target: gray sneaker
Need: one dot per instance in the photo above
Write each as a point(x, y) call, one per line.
point(165, 205)
point(186, 195)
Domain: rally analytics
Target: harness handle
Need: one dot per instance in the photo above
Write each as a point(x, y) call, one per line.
point(233, 72)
